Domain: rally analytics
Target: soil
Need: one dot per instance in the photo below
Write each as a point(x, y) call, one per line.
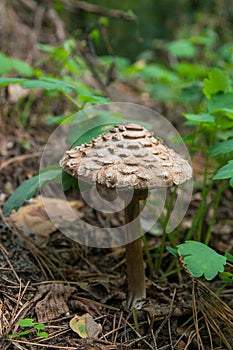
point(53, 280)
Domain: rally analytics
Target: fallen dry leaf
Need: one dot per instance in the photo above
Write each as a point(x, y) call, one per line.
point(33, 218)
point(53, 301)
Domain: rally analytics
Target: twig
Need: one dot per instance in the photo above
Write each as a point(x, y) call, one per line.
point(4, 252)
point(48, 346)
point(19, 159)
point(100, 10)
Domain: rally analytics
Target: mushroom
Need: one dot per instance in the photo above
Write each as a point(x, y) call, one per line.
point(128, 157)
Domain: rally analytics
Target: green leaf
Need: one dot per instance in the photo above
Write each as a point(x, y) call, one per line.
point(221, 148)
point(200, 118)
point(39, 326)
point(181, 48)
point(201, 260)
point(5, 64)
point(42, 334)
point(24, 333)
point(47, 84)
point(29, 187)
point(225, 172)
point(220, 101)
point(217, 81)
point(227, 112)
point(229, 257)
point(13, 335)
point(81, 132)
point(68, 181)
point(172, 251)
point(156, 71)
point(190, 70)
point(22, 67)
point(227, 277)
point(26, 322)
point(92, 99)
point(6, 81)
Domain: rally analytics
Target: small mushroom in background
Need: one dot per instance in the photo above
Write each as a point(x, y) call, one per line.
point(128, 158)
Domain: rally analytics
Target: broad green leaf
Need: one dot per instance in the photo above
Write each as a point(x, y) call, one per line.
point(225, 172)
point(6, 81)
point(221, 148)
point(156, 71)
point(190, 70)
point(220, 101)
point(29, 187)
point(26, 322)
point(68, 181)
point(5, 64)
point(181, 48)
point(200, 118)
point(217, 81)
point(201, 259)
point(8, 64)
point(22, 67)
point(47, 85)
point(227, 112)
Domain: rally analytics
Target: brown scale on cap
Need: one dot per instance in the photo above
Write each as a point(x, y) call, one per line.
point(127, 155)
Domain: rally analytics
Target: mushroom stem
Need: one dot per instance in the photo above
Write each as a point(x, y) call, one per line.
point(134, 255)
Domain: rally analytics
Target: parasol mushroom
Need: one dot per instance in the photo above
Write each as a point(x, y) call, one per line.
point(128, 157)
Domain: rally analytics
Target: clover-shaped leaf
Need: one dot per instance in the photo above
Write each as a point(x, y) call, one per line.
point(201, 260)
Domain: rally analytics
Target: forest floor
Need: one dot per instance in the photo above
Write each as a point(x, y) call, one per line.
point(51, 279)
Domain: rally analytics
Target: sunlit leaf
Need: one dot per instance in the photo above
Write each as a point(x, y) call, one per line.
point(26, 322)
point(201, 260)
point(217, 81)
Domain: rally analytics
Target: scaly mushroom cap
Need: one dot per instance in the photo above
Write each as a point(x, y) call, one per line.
point(127, 156)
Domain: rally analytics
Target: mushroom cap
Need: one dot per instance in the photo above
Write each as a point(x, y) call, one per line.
point(127, 156)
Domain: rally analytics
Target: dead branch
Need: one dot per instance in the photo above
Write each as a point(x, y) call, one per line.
point(100, 10)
